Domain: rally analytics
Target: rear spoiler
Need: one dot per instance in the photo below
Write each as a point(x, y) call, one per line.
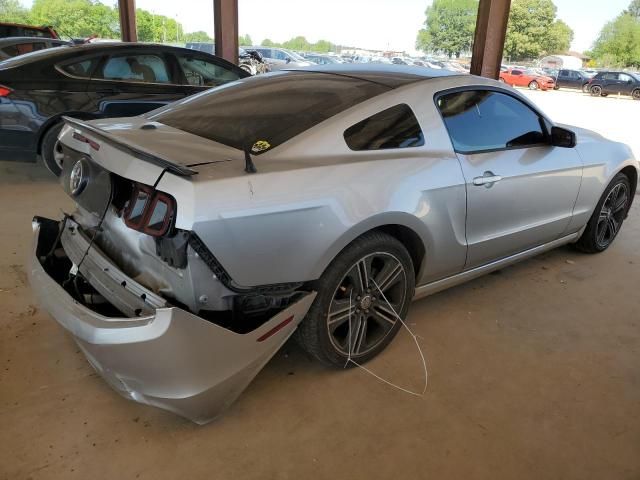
point(113, 141)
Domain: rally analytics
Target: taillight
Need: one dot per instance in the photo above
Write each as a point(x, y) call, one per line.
point(5, 91)
point(149, 211)
point(81, 138)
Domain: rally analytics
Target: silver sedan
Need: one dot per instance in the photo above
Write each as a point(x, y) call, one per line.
point(318, 201)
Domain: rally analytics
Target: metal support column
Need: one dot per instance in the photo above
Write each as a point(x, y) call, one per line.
point(225, 24)
point(127, 10)
point(488, 43)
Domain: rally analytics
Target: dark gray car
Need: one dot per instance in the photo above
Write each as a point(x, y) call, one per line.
point(14, 46)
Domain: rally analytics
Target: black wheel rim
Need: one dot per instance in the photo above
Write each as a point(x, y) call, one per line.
point(612, 215)
point(359, 318)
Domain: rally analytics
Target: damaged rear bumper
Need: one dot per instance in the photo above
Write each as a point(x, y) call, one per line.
point(166, 356)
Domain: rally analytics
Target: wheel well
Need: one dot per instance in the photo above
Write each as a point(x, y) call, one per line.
point(52, 122)
point(632, 175)
point(410, 240)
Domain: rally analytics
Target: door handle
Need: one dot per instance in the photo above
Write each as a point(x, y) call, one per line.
point(487, 179)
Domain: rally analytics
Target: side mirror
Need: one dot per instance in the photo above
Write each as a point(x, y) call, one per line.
point(561, 137)
point(288, 60)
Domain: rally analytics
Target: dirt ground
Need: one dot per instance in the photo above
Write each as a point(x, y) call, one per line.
point(533, 374)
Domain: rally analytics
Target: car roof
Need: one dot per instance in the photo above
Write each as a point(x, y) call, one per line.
point(57, 54)
point(390, 75)
point(18, 40)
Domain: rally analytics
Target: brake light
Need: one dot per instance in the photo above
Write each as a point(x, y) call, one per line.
point(5, 91)
point(149, 211)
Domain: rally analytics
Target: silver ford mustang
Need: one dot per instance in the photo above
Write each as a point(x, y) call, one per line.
point(319, 201)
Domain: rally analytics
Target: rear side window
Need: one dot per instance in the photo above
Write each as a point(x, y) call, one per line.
point(204, 73)
point(484, 120)
point(137, 68)
point(395, 127)
point(81, 69)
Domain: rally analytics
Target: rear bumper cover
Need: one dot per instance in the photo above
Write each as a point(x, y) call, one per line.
point(170, 358)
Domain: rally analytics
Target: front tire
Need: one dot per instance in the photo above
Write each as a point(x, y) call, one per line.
point(534, 85)
point(596, 91)
point(607, 219)
point(349, 318)
point(636, 94)
point(52, 150)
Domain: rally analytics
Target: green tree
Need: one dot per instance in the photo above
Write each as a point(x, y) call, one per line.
point(12, 11)
point(198, 36)
point(297, 43)
point(559, 37)
point(245, 40)
point(619, 42)
point(634, 9)
point(267, 43)
point(533, 30)
point(76, 18)
point(449, 27)
point(323, 46)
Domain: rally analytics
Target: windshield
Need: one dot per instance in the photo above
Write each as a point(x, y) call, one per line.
point(297, 57)
point(260, 113)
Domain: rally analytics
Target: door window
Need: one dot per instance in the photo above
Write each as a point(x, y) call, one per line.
point(137, 68)
point(395, 127)
point(203, 73)
point(80, 69)
point(482, 120)
point(516, 72)
point(623, 77)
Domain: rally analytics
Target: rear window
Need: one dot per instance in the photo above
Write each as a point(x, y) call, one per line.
point(258, 114)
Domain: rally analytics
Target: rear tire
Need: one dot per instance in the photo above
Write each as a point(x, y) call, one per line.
point(607, 218)
point(585, 88)
point(52, 150)
point(595, 91)
point(348, 318)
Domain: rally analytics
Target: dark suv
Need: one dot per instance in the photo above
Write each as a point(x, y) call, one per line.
point(573, 79)
point(94, 81)
point(624, 83)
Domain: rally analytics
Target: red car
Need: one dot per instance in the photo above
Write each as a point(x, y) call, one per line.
point(20, 30)
point(527, 78)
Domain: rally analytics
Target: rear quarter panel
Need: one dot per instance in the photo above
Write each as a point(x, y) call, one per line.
point(312, 196)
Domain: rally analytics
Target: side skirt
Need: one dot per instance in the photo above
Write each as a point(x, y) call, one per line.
point(439, 285)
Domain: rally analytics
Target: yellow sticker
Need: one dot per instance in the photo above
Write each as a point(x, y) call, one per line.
point(260, 146)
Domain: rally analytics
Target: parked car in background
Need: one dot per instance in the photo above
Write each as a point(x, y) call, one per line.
point(246, 61)
point(94, 81)
point(575, 79)
point(322, 59)
point(527, 78)
point(21, 30)
point(261, 64)
point(623, 83)
point(279, 58)
point(14, 46)
point(322, 200)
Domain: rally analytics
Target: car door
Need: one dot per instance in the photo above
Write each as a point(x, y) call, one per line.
point(129, 83)
point(563, 79)
point(520, 189)
point(518, 79)
point(625, 83)
point(610, 83)
point(197, 72)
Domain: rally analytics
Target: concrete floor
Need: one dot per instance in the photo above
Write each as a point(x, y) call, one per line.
point(533, 373)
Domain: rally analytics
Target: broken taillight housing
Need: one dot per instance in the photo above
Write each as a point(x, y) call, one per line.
point(149, 211)
point(5, 91)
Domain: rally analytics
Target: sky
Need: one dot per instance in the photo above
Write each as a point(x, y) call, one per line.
point(374, 24)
